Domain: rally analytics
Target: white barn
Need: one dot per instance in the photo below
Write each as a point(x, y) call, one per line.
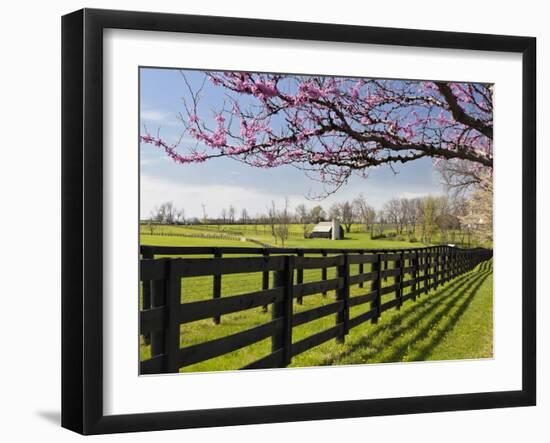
point(330, 229)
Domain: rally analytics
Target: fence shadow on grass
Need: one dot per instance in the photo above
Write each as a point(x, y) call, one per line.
point(459, 294)
point(461, 302)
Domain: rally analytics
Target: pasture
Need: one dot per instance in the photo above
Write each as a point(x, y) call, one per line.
point(262, 233)
point(452, 322)
point(358, 237)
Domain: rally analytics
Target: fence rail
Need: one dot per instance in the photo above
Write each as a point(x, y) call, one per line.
point(219, 236)
point(162, 312)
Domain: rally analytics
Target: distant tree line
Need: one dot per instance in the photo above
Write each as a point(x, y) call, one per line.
point(417, 219)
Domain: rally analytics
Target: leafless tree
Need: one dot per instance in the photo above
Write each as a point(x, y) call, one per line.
point(151, 224)
point(282, 223)
point(429, 213)
point(180, 216)
point(334, 212)
point(413, 214)
point(303, 217)
point(244, 216)
point(362, 210)
point(317, 214)
point(346, 215)
point(392, 212)
point(381, 222)
point(231, 214)
point(170, 213)
point(165, 213)
point(459, 177)
point(157, 215)
point(407, 214)
point(271, 217)
point(371, 219)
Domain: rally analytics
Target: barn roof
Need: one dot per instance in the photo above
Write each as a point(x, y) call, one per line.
point(322, 227)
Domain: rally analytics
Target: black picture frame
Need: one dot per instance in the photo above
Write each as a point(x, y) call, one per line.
point(82, 218)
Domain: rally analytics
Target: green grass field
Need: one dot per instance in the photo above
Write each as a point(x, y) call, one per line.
point(454, 322)
point(357, 237)
point(295, 240)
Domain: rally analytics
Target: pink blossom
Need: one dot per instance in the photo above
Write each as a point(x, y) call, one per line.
point(300, 119)
point(267, 89)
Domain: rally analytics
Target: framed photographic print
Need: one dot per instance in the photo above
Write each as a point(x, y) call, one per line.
point(270, 221)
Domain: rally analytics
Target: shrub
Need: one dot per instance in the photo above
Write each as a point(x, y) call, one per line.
point(413, 239)
point(378, 236)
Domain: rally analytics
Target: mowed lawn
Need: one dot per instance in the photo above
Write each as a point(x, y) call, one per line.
point(454, 322)
point(353, 239)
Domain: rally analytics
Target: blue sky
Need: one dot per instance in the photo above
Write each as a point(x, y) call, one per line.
point(219, 183)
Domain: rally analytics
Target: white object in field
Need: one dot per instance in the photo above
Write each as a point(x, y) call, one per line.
point(335, 230)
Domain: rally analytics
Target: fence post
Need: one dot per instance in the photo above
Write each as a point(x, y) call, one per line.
point(172, 326)
point(283, 309)
point(217, 285)
point(361, 269)
point(414, 274)
point(455, 263)
point(300, 278)
point(399, 263)
point(376, 286)
point(449, 263)
point(427, 261)
point(441, 265)
point(324, 274)
point(343, 294)
point(265, 279)
point(444, 265)
point(146, 296)
point(158, 299)
point(436, 267)
point(452, 263)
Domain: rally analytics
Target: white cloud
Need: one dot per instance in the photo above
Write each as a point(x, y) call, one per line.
point(155, 190)
point(155, 116)
point(153, 161)
point(160, 118)
point(408, 194)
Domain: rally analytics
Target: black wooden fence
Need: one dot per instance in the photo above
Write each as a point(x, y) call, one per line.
point(163, 313)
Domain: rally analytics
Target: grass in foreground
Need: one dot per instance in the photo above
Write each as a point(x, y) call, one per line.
point(454, 322)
